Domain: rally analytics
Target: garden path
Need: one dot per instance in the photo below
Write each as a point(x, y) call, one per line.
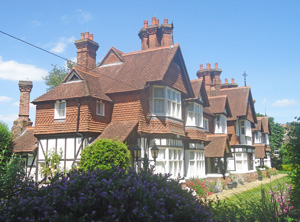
point(242, 188)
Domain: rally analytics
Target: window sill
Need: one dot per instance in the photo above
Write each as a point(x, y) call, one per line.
point(60, 120)
point(165, 117)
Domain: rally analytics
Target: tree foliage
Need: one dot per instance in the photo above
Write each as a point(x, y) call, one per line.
point(57, 75)
point(104, 154)
point(293, 152)
point(5, 146)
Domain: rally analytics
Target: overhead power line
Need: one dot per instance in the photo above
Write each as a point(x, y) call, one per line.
point(28, 43)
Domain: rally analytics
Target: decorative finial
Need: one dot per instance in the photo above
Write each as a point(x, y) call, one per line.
point(245, 77)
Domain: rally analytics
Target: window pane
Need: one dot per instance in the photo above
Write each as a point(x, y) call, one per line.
point(158, 106)
point(159, 92)
point(168, 94)
point(191, 107)
point(173, 95)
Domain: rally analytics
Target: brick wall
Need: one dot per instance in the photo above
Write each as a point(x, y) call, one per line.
point(89, 121)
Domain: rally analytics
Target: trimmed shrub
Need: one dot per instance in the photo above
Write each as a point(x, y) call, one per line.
point(287, 167)
point(104, 154)
point(105, 195)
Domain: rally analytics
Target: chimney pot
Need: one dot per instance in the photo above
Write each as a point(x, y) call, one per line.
point(87, 35)
point(216, 65)
point(232, 80)
point(201, 67)
point(153, 20)
point(166, 21)
point(82, 35)
point(208, 66)
point(157, 21)
point(145, 24)
point(91, 37)
point(226, 81)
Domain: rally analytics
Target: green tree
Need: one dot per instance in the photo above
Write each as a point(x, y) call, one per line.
point(293, 151)
point(5, 146)
point(57, 75)
point(103, 154)
point(276, 141)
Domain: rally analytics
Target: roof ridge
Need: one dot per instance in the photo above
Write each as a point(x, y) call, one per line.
point(150, 50)
point(89, 73)
point(239, 87)
point(213, 97)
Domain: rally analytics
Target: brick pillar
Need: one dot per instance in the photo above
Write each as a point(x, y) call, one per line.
point(86, 52)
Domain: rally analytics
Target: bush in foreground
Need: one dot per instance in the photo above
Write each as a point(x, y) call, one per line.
point(104, 154)
point(105, 195)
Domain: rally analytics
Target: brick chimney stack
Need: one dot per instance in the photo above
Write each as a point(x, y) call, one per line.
point(23, 121)
point(156, 35)
point(211, 78)
point(86, 51)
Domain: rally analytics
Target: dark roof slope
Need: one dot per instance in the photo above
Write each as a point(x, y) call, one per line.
point(118, 130)
point(198, 86)
point(218, 104)
point(26, 142)
point(239, 98)
point(265, 124)
point(258, 126)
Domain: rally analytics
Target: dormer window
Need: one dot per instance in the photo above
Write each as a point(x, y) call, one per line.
point(73, 77)
point(100, 108)
point(220, 124)
point(60, 109)
point(194, 115)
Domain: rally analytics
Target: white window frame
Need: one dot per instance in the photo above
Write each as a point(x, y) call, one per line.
point(194, 115)
point(58, 110)
point(221, 124)
point(246, 132)
point(100, 108)
point(171, 100)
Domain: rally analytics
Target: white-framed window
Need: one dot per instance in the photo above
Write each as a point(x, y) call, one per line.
point(206, 124)
point(220, 124)
point(100, 108)
point(267, 139)
point(246, 132)
point(60, 110)
point(194, 115)
point(195, 164)
point(166, 102)
point(257, 137)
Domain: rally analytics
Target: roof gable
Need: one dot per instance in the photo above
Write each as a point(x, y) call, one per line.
point(199, 89)
point(73, 76)
point(220, 105)
point(113, 57)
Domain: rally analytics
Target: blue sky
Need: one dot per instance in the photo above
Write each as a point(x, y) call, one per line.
point(259, 37)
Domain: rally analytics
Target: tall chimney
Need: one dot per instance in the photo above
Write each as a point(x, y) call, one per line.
point(166, 33)
point(86, 51)
point(23, 121)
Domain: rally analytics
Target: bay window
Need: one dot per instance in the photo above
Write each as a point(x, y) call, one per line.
point(246, 132)
point(194, 115)
point(206, 125)
point(166, 102)
point(257, 137)
point(60, 110)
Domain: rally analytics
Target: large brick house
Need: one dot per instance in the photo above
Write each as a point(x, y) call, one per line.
point(201, 127)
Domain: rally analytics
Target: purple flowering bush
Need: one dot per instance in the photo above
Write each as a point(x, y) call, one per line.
point(105, 195)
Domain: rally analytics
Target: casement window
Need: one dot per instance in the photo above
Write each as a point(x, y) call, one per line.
point(166, 102)
point(206, 125)
point(100, 108)
point(194, 115)
point(60, 109)
point(257, 137)
point(246, 132)
point(220, 124)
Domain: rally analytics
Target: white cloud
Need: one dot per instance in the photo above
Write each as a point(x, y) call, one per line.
point(8, 118)
point(61, 45)
point(16, 104)
point(12, 70)
point(36, 23)
point(5, 99)
point(284, 102)
point(83, 16)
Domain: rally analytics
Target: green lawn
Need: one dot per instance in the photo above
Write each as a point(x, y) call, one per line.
point(256, 192)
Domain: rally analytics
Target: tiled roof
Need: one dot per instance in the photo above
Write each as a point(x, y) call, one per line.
point(25, 143)
point(198, 86)
point(118, 130)
point(89, 86)
point(265, 124)
point(258, 126)
point(260, 151)
point(218, 104)
point(207, 110)
point(239, 98)
point(138, 69)
point(217, 145)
